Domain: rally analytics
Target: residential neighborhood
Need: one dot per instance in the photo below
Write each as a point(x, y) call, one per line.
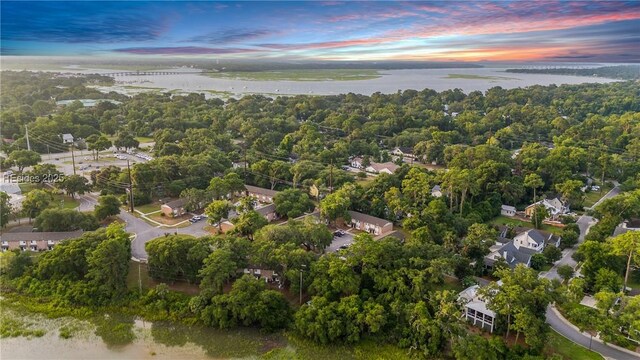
point(451, 180)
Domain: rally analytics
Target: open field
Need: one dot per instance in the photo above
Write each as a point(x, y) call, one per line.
point(301, 75)
point(504, 220)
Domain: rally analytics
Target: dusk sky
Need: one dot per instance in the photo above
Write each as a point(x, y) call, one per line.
point(590, 31)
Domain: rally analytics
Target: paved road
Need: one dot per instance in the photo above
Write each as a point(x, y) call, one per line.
point(144, 231)
point(553, 319)
point(577, 337)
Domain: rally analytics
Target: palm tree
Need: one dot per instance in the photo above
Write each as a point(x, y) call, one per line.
point(533, 181)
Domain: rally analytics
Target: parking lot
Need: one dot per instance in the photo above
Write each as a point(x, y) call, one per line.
point(338, 241)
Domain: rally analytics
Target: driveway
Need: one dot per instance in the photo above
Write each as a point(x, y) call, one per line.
point(584, 223)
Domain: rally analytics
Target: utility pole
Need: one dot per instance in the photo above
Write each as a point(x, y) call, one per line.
point(130, 187)
point(244, 150)
point(331, 177)
point(302, 266)
point(26, 132)
point(73, 160)
point(139, 278)
point(49, 151)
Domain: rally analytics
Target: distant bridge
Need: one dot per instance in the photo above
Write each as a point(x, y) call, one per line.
point(149, 73)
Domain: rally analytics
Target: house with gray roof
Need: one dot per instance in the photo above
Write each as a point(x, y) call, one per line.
point(261, 194)
point(507, 210)
point(521, 248)
point(268, 212)
point(35, 241)
point(370, 224)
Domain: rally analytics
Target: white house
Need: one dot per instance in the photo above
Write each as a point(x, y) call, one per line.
point(507, 210)
point(67, 138)
point(436, 191)
point(521, 248)
point(403, 152)
point(356, 162)
point(554, 206)
point(475, 309)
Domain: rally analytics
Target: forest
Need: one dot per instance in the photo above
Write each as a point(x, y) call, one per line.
point(499, 147)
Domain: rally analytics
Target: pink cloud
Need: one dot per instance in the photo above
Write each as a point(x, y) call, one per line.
point(182, 50)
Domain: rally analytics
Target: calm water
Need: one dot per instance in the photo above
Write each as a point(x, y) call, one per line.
point(390, 82)
point(119, 337)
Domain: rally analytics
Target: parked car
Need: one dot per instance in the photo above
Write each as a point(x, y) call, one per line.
point(339, 233)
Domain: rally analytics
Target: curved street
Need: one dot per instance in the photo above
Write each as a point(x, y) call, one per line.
point(566, 329)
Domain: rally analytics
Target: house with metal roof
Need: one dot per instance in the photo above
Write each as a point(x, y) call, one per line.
point(507, 210)
point(476, 310)
point(67, 138)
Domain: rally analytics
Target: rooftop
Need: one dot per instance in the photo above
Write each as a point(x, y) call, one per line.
point(176, 203)
point(260, 191)
point(28, 236)
point(368, 219)
point(265, 210)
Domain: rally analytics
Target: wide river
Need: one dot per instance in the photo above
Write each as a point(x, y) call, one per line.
point(390, 81)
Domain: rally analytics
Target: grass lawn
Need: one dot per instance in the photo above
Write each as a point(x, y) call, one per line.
point(144, 139)
point(558, 344)
point(592, 197)
point(170, 220)
point(148, 208)
point(634, 282)
point(504, 220)
point(26, 187)
point(67, 201)
point(301, 75)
